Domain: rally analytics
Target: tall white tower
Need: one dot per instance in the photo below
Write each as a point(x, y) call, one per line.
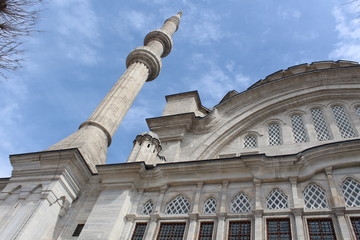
point(143, 64)
point(48, 182)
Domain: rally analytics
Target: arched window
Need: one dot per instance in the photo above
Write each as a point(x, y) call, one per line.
point(250, 141)
point(147, 208)
point(351, 191)
point(179, 205)
point(314, 197)
point(274, 132)
point(357, 109)
point(277, 199)
point(321, 128)
point(210, 206)
point(298, 128)
point(343, 122)
point(241, 203)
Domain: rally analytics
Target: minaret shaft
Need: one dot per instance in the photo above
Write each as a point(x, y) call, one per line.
point(117, 102)
point(143, 64)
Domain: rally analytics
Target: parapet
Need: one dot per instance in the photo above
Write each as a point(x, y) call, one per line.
point(304, 68)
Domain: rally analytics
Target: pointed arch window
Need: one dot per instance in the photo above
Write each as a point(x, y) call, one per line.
point(315, 197)
point(147, 208)
point(250, 141)
point(274, 133)
point(342, 121)
point(210, 206)
point(298, 128)
point(321, 128)
point(241, 203)
point(277, 199)
point(357, 109)
point(351, 191)
point(179, 205)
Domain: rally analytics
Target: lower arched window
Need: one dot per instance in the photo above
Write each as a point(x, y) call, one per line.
point(147, 208)
point(179, 205)
point(314, 197)
point(277, 199)
point(210, 206)
point(351, 191)
point(241, 204)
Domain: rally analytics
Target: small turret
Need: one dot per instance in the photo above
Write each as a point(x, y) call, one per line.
point(146, 149)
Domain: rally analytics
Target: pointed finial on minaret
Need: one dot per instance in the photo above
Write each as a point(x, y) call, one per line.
point(179, 13)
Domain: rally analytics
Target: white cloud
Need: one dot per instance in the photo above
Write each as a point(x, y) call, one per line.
point(288, 13)
point(13, 94)
point(348, 29)
point(217, 80)
point(78, 29)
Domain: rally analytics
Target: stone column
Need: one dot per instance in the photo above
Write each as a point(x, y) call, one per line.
point(258, 222)
point(196, 208)
point(150, 233)
point(337, 200)
point(343, 226)
point(143, 64)
point(298, 212)
point(161, 198)
point(126, 234)
point(258, 211)
point(192, 226)
point(222, 213)
point(221, 226)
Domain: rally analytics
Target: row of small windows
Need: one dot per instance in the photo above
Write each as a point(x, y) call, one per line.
point(299, 131)
point(314, 198)
point(276, 228)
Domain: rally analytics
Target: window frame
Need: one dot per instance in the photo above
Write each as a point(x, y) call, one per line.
point(269, 218)
point(319, 218)
point(134, 229)
point(281, 140)
point(229, 221)
point(204, 222)
point(171, 222)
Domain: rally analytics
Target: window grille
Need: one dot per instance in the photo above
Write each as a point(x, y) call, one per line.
point(342, 122)
point(298, 129)
point(239, 230)
point(210, 206)
point(351, 191)
point(250, 141)
point(321, 228)
point(315, 197)
point(78, 230)
point(274, 132)
point(147, 208)
point(278, 228)
point(206, 231)
point(241, 204)
point(321, 128)
point(277, 199)
point(355, 222)
point(179, 205)
point(171, 231)
point(358, 111)
point(139, 231)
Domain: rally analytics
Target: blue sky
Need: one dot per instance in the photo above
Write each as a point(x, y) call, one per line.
point(220, 46)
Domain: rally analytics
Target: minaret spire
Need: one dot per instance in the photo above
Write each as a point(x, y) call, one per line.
point(143, 64)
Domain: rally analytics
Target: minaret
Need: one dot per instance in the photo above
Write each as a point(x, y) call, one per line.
point(143, 64)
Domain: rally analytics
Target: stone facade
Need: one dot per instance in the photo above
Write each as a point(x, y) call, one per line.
point(280, 160)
